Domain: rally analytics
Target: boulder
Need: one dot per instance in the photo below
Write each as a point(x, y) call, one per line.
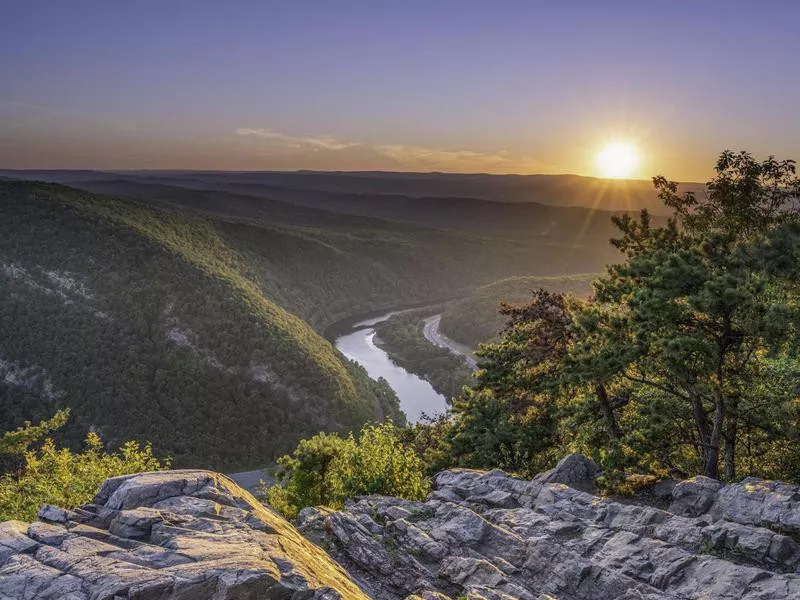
point(693, 497)
point(488, 535)
point(480, 535)
point(574, 470)
point(171, 534)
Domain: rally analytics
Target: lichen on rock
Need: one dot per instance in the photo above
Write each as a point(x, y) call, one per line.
point(170, 534)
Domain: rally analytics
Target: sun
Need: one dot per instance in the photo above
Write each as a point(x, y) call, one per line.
point(617, 160)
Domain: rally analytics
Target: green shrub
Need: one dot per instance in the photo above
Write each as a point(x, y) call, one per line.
point(327, 469)
point(51, 475)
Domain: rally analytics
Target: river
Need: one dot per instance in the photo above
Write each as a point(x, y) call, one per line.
point(354, 337)
point(415, 394)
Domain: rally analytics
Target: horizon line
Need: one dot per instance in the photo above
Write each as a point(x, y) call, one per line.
point(342, 172)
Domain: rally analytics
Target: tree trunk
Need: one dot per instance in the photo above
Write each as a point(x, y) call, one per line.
point(703, 429)
point(612, 426)
point(730, 450)
point(712, 461)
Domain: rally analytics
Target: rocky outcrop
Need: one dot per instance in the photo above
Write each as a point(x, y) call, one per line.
point(487, 535)
point(479, 535)
point(187, 535)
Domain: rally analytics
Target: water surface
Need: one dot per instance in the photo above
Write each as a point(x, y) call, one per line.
point(416, 395)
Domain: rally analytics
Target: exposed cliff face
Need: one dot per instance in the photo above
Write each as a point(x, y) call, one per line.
point(492, 536)
point(186, 535)
point(196, 535)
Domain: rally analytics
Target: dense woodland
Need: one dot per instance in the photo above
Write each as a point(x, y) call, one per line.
point(324, 265)
point(182, 317)
point(148, 326)
point(682, 359)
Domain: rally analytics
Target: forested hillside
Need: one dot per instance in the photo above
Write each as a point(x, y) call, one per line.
point(401, 337)
point(324, 266)
point(188, 317)
point(475, 318)
point(149, 326)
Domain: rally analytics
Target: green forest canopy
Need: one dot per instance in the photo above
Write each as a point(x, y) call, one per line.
point(149, 326)
point(189, 329)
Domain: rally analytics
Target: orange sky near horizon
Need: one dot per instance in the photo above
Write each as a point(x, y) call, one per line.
point(498, 87)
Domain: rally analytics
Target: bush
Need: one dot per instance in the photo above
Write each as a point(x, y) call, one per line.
point(327, 469)
point(51, 475)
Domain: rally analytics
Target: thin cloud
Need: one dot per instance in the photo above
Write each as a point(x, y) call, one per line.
point(435, 157)
point(397, 156)
point(318, 142)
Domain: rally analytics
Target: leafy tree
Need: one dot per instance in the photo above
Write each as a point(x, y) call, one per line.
point(745, 198)
point(304, 478)
point(494, 431)
point(698, 311)
point(327, 469)
point(686, 354)
point(428, 438)
point(14, 444)
point(510, 420)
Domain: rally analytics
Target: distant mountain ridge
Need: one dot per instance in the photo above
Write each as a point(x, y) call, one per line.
point(554, 190)
point(247, 196)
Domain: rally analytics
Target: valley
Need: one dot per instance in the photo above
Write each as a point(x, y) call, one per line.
point(399, 301)
point(239, 288)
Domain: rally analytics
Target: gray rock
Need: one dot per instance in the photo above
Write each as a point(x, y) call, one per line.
point(470, 572)
point(693, 497)
point(493, 536)
point(574, 470)
point(186, 535)
point(480, 535)
point(52, 514)
point(753, 501)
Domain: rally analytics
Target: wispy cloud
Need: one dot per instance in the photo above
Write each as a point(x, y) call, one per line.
point(440, 158)
point(318, 142)
point(394, 156)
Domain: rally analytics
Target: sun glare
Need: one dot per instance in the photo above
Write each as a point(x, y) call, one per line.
point(617, 160)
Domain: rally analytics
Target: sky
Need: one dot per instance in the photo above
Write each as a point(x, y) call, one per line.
point(495, 86)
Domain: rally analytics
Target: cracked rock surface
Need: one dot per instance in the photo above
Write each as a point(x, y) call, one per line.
point(195, 535)
point(186, 535)
point(487, 535)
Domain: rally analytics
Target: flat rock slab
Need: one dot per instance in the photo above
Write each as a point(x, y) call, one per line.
point(186, 535)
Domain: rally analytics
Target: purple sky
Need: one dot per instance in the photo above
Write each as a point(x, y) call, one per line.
point(496, 86)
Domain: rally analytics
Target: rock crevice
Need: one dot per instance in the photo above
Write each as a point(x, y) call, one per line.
point(479, 535)
point(492, 536)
